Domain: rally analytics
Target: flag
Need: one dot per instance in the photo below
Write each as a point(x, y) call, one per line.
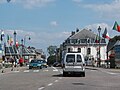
point(97, 39)
point(17, 43)
point(105, 34)
point(11, 41)
point(116, 27)
point(2, 35)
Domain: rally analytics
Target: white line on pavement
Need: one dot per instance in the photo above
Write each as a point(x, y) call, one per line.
point(45, 70)
point(50, 84)
point(35, 70)
point(27, 71)
point(60, 77)
point(56, 80)
point(55, 69)
point(16, 71)
point(41, 88)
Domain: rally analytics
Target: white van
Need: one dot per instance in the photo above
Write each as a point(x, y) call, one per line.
point(74, 63)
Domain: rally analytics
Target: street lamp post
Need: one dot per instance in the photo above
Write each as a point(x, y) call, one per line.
point(99, 61)
point(22, 47)
point(25, 38)
point(15, 44)
point(15, 37)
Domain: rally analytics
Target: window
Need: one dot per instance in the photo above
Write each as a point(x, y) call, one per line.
point(79, 59)
point(70, 58)
point(69, 50)
point(89, 51)
point(79, 50)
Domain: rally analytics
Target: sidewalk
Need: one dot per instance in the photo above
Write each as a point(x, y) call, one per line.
point(8, 70)
point(107, 69)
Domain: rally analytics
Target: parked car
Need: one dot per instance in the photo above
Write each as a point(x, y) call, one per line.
point(44, 63)
point(56, 64)
point(35, 64)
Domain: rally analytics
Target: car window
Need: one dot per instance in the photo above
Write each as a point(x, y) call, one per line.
point(70, 58)
point(79, 59)
point(39, 61)
point(34, 61)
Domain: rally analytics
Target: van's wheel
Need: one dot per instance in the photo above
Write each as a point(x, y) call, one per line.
point(64, 74)
point(83, 74)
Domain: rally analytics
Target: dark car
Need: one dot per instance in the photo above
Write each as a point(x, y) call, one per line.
point(35, 64)
point(56, 64)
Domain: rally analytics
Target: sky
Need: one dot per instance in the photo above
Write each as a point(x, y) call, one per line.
point(50, 22)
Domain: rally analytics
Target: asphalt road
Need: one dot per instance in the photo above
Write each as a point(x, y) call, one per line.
point(51, 79)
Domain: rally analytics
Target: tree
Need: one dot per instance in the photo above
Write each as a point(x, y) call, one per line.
point(51, 59)
point(52, 50)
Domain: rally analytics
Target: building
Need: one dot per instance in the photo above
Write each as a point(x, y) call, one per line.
point(84, 42)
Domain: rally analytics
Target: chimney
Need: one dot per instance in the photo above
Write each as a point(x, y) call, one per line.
point(72, 33)
point(77, 30)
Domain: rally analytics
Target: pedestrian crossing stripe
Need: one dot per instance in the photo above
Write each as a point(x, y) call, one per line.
point(35, 70)
point(26, 70)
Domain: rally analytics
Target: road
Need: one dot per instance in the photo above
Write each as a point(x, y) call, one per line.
point(51, 79)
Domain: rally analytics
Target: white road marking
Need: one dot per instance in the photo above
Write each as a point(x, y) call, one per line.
point(112, 73)
point(45, 70)
point(55, 69)
point(16, 71)
point(60, 77)
point(35, 70)
point(41, 88)
point(50, 84)
point(56, 80)
point(27, 71)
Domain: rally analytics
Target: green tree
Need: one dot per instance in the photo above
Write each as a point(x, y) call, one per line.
point(51, 59)
point(51, 50)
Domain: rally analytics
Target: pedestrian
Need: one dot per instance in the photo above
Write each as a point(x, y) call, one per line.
point(21, 61)
point(12, 61)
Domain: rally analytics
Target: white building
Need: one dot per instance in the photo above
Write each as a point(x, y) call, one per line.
point(84, 41)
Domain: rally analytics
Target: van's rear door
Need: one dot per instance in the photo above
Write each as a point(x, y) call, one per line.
point(70, 61)
point(78, 63)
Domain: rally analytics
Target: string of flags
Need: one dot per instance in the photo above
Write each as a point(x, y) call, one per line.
point(7, 39)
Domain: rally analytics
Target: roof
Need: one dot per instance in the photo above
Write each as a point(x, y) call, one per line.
point(117, 43)
point(83, 34)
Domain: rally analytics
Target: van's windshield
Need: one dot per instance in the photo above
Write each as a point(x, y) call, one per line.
point(70, 58)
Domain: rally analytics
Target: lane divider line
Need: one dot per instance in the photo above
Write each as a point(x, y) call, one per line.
point(50, 84)
point(56, 80)
point(55, 69)
point(35, 70)
point(27, 71)
point(41, 88)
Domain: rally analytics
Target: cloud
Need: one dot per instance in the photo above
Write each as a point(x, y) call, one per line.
point(54, 23)
point(107, 9)
point(30, 3)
